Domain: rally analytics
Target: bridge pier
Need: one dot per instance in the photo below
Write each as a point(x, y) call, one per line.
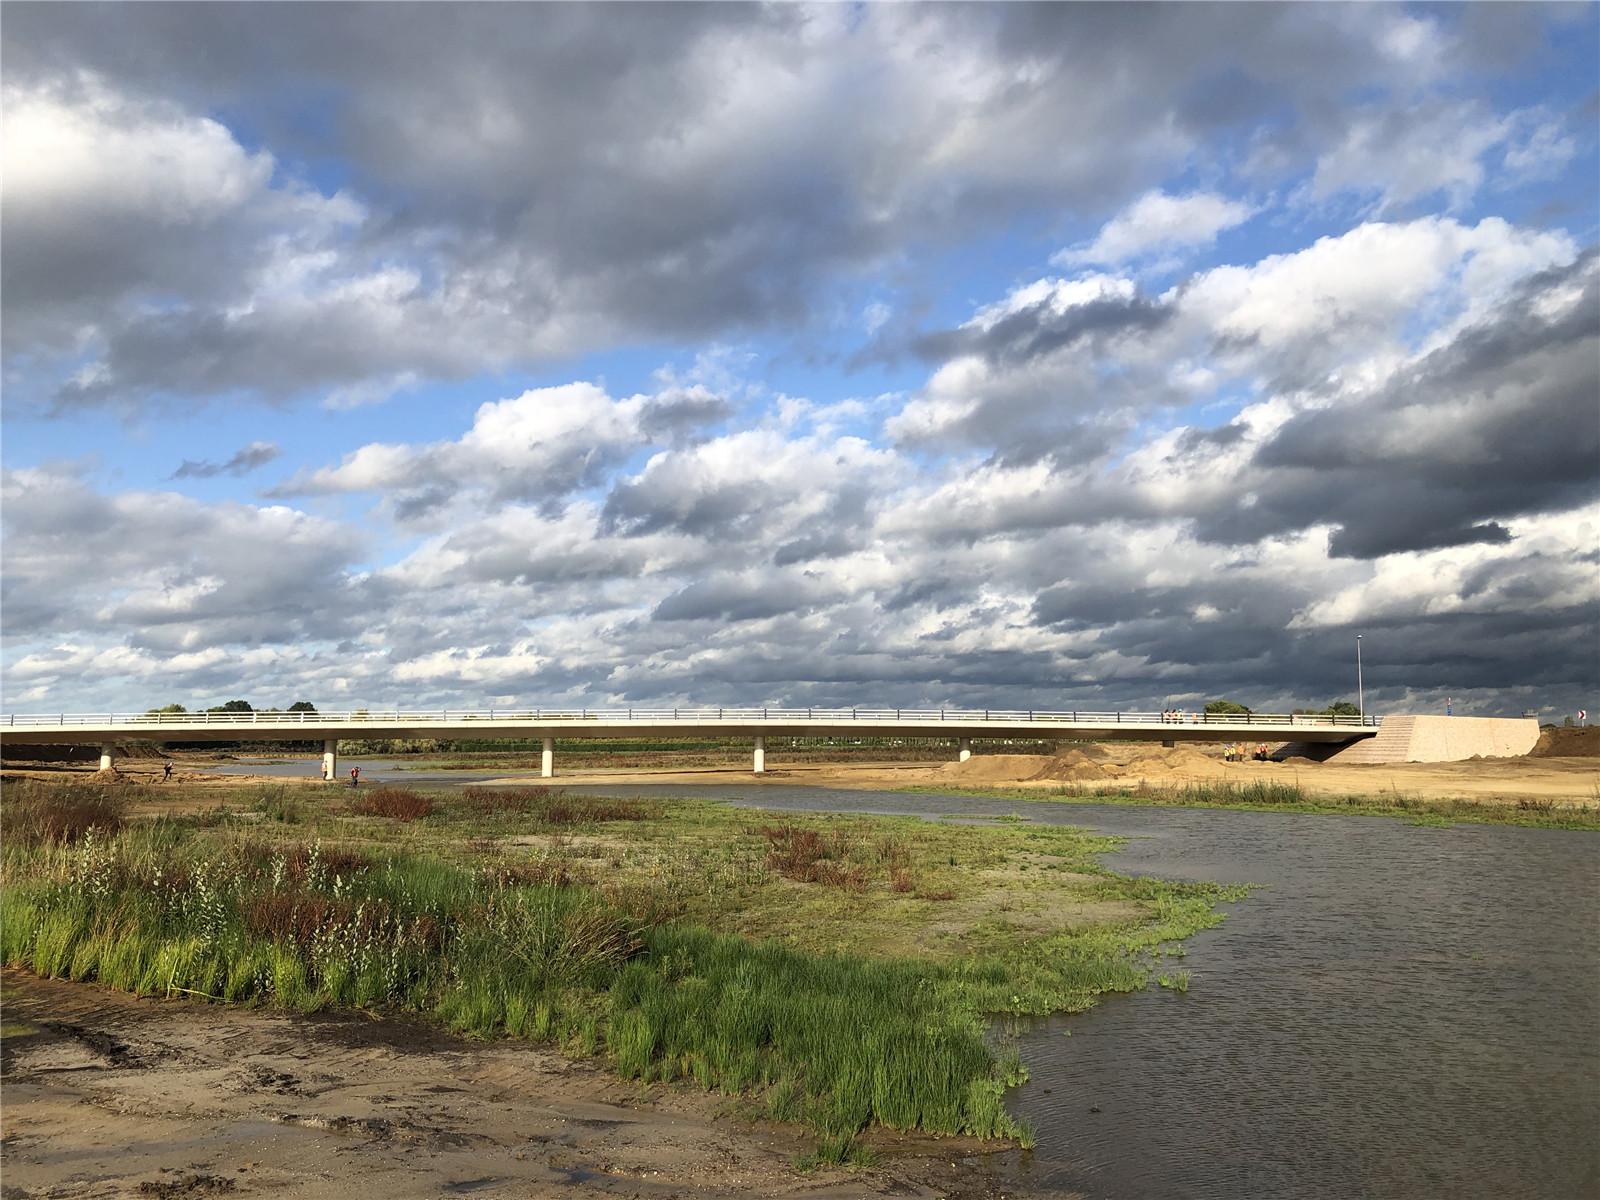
point(106, 751)
point(547, 760)
point(965, 745)
point(330, 759)
point(761, 755)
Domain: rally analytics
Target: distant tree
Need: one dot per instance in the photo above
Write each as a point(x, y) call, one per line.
point(302, 706)
point(1341, 708)
point(166, 708)
point(233, 706)
point(1228, 708)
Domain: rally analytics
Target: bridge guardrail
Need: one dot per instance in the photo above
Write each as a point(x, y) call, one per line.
point(686, 715)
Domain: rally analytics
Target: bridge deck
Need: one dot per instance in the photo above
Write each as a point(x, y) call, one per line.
point(87, 728)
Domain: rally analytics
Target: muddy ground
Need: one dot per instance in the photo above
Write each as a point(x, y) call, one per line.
point(109, 1095)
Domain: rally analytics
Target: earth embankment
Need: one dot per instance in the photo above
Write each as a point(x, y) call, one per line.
point(1558, 742)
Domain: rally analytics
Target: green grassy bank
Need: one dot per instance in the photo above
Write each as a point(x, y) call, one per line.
point(830, 969)
point(1289, 797)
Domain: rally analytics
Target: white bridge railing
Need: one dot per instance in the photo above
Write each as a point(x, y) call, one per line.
point(700, 716)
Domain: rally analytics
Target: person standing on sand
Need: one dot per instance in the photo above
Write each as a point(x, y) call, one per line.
point(166, 771)
point(355, 776)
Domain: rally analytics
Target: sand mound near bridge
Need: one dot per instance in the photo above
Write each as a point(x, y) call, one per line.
point(1085, 765)
point(997, 768)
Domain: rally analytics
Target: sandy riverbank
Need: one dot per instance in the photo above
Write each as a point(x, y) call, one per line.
point(109, 1095)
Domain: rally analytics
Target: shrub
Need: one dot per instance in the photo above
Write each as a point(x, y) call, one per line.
point(544, 872)
point(295, 862)
point(394, 802)
point(554, 806)
point(563, 809)
point(801, 855)
point(794, 851)
point(62, 813)
point(488, 801)
point(850, 878)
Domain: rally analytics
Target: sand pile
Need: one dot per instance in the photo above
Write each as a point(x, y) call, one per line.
point(997, 768)
point(1150, 762)
point(1075, 766)
point(1084, 765)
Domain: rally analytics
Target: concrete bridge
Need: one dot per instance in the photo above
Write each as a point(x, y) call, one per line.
point(106, 729)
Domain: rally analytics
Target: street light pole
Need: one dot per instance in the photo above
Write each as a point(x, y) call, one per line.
point(1361, 695)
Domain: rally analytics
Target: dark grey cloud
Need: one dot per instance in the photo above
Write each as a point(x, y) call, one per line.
point(1499, 423)
point(813, 547)
point(677, 415)
point(732, 511)
point(730, 600)
point(244, 460)
point(1041, 329)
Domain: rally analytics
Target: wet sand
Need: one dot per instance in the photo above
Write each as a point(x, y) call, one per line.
point(110, 1095)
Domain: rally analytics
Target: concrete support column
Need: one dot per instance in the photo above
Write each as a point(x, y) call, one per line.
point(547, 762)
point(330, 759)
point(966, 749)
point(761, 755)
point(1169, 745)
point(106, 750)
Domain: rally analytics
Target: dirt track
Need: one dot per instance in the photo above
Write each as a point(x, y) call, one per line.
point(107, 1095)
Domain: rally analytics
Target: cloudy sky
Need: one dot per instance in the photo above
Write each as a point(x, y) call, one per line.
point(1037, 356)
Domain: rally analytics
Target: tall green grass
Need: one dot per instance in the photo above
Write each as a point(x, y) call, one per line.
point(155, 911)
